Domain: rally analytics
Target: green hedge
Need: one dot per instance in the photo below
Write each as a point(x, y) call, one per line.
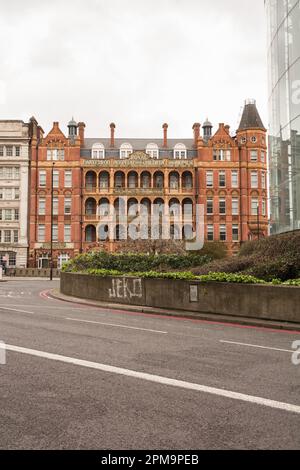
point(135, 262)
point(188, 276)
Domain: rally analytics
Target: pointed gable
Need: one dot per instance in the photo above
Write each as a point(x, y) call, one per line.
point(55, 135)
point(222, 136)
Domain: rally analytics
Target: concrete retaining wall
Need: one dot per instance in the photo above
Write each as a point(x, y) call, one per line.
point(281, 303)
point(31, 272)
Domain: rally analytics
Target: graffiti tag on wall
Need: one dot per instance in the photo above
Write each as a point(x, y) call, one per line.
point(123, 288)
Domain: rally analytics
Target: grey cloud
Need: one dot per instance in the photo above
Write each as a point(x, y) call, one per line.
point(139, 63)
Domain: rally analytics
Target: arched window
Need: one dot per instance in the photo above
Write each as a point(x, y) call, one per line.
point(90, 233)
point(90, 206)
point(103, 233)
point(98, 151)
point(174, 180)
point(158, 207)
point(119, 179)
point(152, 150)
point(145, 180)
point(90, 180)
point(175, 232)
point(187, 208)
point(104, 207)
point(133, 207)
point(145, 207)
point(120, 233)
point(187, 180)
point(120, 206)
point(132, 180)
point(104, 180)
point(125, 150)
point(174, 208)
point(187, 232)
point(159, 180)
point(180, 152)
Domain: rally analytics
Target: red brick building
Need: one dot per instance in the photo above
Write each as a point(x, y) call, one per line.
point(93, 177)
point(232, 175)
point(55, 157)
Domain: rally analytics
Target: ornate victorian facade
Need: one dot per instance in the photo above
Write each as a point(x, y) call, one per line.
point(97, 185)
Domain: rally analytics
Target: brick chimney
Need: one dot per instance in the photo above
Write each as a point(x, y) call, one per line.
point(112, 134)
point(165, 128)
point(81, 127)
point(227, 129)
point(196, 129)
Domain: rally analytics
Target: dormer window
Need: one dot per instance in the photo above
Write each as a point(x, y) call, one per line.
point(180, 152)
point(98, 152)
point(152, 150)
point(125, 150)
point(54, 154)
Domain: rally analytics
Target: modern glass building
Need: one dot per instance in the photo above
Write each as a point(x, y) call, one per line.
point(284, 107)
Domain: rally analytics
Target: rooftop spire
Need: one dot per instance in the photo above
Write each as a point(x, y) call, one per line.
point(251, 118)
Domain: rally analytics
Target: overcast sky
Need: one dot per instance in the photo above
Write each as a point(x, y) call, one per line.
point(139, 63)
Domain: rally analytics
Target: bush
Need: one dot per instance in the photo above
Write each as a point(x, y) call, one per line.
point(214, 250)
point(135, 262)
point(274, 257)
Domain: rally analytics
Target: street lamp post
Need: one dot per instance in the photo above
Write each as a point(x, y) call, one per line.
point(51, 228)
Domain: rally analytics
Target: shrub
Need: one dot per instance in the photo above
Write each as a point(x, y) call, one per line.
point(276, 257)
point(135, 262)
point(214, 250)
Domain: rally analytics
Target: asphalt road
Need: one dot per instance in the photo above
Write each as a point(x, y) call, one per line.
point(81, 377)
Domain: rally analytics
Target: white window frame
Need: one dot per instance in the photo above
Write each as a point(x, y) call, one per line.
point(98, 152)
point(234, 178)
point(125, 150)
point(209, 179)
point(180, 152)
point(254, 179)
point(153, 151)
point(68, 178)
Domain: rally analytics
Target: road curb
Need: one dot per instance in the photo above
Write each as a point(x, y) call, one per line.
point(218, 319)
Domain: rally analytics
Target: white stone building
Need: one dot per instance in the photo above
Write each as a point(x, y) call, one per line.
point(14, 183)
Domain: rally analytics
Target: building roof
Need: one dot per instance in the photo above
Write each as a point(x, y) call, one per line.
point(138, 144)
point(251, 118)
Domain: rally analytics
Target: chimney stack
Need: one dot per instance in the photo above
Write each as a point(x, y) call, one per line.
point(81, 127)
point(196, 129)
point(112, 134)
point(165, 128)
point(227, 128)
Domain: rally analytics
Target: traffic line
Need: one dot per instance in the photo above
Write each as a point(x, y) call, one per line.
point(257, 346)
point(117, 325)
point(16, 310)
point(156, 379)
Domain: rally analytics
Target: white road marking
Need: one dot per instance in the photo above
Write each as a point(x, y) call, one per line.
point(155, 378)
point(16, 310)
point(118, 326)
point(257, 346)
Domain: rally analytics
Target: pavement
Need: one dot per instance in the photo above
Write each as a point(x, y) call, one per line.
point(89, 377)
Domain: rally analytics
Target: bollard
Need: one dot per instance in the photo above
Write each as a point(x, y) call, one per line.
point(0, 273)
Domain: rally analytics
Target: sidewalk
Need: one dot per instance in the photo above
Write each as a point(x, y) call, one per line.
point(27, 278)
point(56, 294)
